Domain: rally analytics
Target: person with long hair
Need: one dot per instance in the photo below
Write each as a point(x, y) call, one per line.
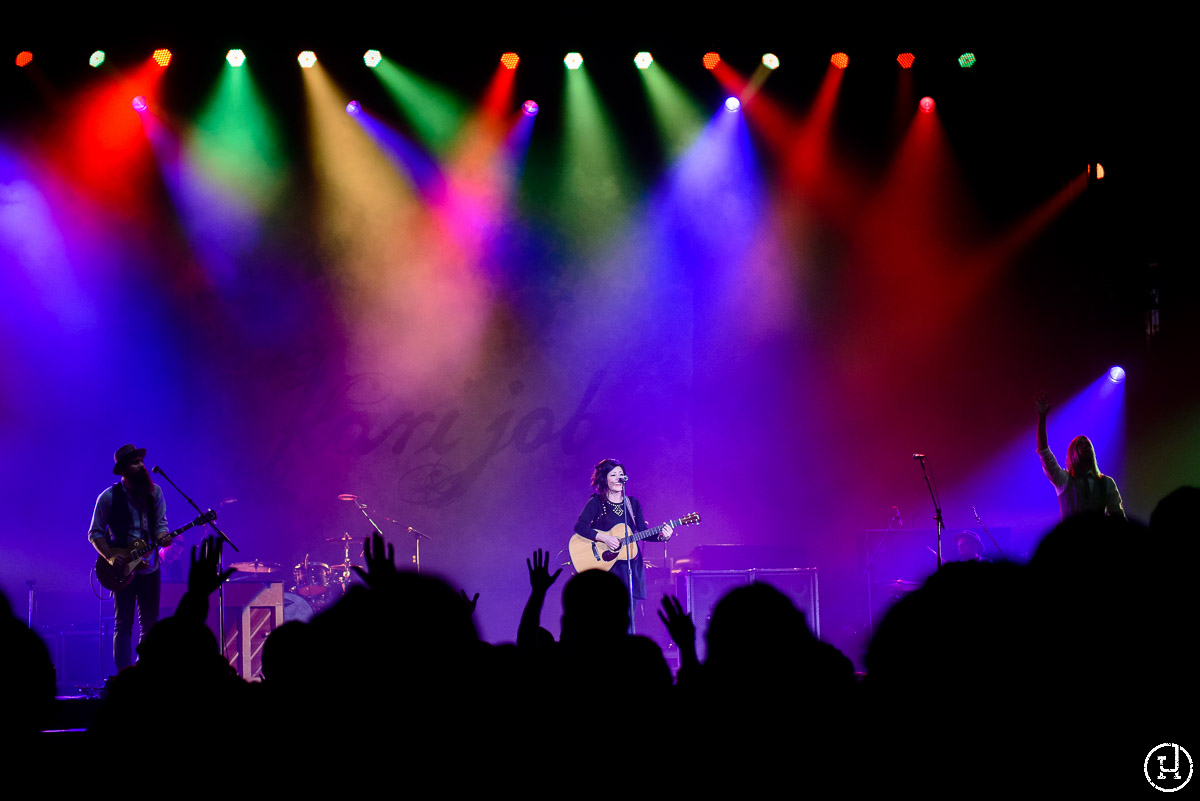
point(1081, 487)
point(608, 507)
point(131, 509)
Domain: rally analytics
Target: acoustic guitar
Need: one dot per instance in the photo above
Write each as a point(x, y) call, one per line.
point(591, 555)
point(117, 577)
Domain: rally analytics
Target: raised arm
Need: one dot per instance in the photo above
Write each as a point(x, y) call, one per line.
point(540, 582)
point(1043, 407)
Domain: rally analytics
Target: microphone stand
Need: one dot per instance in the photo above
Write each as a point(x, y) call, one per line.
point(220, 559)
point(417, 537)
point(941, 525)
point(628, 551)
point(985, 531)
point(362, 507)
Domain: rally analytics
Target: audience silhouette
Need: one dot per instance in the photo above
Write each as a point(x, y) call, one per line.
point(990, 676)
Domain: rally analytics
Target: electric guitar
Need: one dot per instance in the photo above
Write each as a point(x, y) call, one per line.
point(117, 577)
point(591, 555)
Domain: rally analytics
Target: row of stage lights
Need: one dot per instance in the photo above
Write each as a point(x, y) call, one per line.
point(573, 61)
point(510, 60)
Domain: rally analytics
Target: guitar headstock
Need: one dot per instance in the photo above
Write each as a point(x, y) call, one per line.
point(690, 520)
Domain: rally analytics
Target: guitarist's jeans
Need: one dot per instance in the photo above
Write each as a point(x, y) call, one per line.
point(144, 591)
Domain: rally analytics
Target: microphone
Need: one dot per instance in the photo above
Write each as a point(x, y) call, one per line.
point(623, 479)
point(919, 456)
point(157, 469)
point(418, 534)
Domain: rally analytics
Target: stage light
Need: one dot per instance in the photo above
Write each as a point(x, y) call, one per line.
point(372, 58)
point(1099, 171)
point(1116, 375)
point(573, 61)
point(24, 57)
point(139, 103)
point(510, 61)
point(529, 108)
point(97, 58)
point(236, 58)
point(966, 60)
point(771, 61)
point(840, 60)
point(732, 104)
point(353, 107)
point(711, 60)
point(162, 56)
point(927, 105)
point(906, 60)
point(643, 60)
point(307, 59)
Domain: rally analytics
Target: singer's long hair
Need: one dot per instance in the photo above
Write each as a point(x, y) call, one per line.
point(600, 474)
point(1081, 458)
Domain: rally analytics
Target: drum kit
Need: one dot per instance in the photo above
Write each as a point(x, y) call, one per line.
point(314, 585)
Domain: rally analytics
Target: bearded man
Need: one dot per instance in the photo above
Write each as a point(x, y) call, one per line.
point(131, 509)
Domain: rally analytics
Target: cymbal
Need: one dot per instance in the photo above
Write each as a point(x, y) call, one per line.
point(256, 567)
point(346, 496)
point(347, 537)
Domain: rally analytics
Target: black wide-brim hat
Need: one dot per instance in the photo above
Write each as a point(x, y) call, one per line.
point(124, 454)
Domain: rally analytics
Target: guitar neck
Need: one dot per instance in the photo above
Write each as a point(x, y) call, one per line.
point(652, 532)
point(138, 553)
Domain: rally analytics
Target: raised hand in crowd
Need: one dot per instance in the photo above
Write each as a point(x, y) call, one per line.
point(203, 577)
point(681, 628)
point(381, 567)
point(539, 571)
point(530, 632)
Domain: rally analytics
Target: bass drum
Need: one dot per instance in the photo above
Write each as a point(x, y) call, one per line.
point(296, 608)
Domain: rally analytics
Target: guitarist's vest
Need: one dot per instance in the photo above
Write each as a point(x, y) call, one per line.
point(121, 531)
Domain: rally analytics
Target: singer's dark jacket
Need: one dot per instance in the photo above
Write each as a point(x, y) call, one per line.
point(600, 515)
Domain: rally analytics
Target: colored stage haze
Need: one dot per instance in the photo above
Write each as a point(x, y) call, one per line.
point(437, 115)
